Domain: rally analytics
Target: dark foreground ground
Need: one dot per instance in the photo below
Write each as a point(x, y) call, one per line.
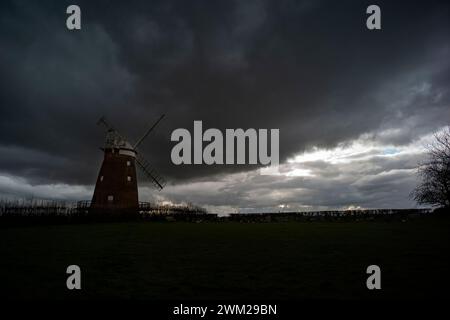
point(191, 261)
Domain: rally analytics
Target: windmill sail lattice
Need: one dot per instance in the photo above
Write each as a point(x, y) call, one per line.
point(155, 178)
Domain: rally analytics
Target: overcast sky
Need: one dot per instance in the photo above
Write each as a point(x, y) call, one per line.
point(355, 107)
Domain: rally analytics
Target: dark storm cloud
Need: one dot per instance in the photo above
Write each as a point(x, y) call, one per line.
point(310, 68)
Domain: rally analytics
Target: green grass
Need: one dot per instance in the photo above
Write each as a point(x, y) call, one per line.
point(227, 260)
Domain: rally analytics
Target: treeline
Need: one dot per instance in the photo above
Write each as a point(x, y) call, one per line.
point(51, 211)
point(44, 211)
point(337, 215)
point(36, 207)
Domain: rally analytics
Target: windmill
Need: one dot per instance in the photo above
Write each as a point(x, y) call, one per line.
point(116, 186)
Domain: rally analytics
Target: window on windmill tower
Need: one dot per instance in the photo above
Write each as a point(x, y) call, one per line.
point(110, 198)
point(128, 178)
point(128, 163)
point(101, 178)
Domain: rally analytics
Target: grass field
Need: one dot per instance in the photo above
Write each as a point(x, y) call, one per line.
point(227, 260)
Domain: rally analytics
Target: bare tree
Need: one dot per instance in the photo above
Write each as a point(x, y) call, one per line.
point(434, 188)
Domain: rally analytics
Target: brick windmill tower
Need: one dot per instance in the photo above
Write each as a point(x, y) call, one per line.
point(116, 187)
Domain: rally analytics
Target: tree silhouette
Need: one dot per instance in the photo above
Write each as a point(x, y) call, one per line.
point(434, 188)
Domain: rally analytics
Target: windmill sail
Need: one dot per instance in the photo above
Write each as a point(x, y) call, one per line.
point(155, 178)
point(147, 132)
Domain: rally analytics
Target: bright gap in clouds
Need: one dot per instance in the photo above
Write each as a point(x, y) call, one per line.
point(361, 149)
